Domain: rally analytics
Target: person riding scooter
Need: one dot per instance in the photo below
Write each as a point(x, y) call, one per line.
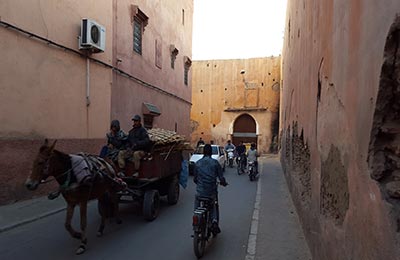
point(252, 156)
point(229, 151)
point(206, 172)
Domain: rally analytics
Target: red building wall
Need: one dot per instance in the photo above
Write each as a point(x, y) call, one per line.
point(339, 129)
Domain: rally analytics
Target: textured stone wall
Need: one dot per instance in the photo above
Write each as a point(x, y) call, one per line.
point(384, 149)
point(340, 125)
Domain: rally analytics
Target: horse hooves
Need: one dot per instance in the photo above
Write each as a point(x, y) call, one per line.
point(81, 249)
point(99, 234)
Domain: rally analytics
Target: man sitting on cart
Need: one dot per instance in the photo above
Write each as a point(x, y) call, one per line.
point(138, 142)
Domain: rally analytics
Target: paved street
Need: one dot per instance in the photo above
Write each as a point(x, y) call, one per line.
point(168, 237)
point(276, 229)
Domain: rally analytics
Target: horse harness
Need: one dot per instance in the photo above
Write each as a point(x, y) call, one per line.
point(85, 168)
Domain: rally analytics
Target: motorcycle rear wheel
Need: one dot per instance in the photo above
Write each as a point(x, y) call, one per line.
point(199, 244)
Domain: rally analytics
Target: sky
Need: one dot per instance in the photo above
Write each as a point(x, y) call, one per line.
point(237, 29)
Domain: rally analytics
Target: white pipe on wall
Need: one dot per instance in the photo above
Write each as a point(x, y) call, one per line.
point(87, 82)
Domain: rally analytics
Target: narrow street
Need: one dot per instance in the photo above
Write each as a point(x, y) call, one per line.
point(168, 237)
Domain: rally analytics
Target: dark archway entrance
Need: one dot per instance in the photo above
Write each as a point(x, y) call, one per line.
point(244, 129)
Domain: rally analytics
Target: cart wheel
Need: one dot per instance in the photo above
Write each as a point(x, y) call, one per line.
point(173, 191)
point(151, 204)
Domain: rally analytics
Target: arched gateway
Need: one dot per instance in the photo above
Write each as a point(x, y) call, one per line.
point(244, 129)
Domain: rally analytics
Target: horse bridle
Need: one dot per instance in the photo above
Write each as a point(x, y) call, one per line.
point(46, 173)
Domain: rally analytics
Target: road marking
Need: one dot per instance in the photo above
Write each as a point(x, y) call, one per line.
point(252, 242)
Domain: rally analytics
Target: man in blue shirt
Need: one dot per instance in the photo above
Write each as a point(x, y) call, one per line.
point(206, 172)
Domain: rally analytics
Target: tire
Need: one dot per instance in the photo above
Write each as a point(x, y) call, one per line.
point(151, 205)
point(199, 244)
point(251, 175)
point(173, 191)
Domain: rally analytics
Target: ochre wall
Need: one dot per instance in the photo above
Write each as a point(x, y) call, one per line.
point(221, 94)
point(332, 66)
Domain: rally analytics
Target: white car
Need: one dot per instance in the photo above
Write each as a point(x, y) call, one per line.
point(217, 154)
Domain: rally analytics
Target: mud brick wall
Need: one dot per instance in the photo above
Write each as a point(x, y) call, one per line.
point(340, 125)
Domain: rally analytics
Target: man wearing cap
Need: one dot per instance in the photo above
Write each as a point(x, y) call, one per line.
point(138, 141)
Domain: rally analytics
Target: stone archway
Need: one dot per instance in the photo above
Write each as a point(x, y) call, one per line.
point(244, 129)
point(384, 151)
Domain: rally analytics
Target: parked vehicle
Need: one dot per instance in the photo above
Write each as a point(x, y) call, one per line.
point(230, 157)
point(202, 225)
point(217, 153)
point(252, 170)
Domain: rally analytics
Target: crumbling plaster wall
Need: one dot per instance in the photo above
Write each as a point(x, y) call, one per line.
point(331, 69)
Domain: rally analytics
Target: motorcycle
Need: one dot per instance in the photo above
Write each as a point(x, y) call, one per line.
point(241, 162)
point(230, 157)
point(252, 170)
point(202, 225)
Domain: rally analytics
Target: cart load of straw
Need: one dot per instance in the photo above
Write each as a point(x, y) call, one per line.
point(165, 139)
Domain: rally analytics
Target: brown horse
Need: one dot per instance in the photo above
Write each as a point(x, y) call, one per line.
point(50, 162)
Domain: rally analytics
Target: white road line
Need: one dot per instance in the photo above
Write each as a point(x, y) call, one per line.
point(252, 243)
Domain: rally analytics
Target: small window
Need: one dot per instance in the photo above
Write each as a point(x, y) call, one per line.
point(186, 75)
point(137, 36)
point(174, 52)
point(148, 121)
point(187, 64)
point(183, 16)
point(139, 20)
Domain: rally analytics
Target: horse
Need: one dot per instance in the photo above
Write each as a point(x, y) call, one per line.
point(51, 162)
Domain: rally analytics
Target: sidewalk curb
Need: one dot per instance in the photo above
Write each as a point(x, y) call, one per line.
point(252, 242)
point(30, 220)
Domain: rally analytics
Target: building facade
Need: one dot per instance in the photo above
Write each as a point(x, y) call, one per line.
point(50, 88)
point(340, 125)
point(236, 100)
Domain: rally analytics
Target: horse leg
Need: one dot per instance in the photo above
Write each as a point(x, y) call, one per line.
point(68, 227)
point(102, 210)
point(115, 205)
point(83, 210)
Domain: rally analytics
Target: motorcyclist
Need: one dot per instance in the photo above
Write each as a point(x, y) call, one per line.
point(241, 152)
point(206, 172)
point(252, 155)
point(228, 146)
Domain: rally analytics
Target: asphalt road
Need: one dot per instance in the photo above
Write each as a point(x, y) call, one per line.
point(167, 237)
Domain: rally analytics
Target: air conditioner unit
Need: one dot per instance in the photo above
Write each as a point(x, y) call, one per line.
point(93, 36)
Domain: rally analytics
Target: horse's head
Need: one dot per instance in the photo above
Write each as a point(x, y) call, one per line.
point(40, 169)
